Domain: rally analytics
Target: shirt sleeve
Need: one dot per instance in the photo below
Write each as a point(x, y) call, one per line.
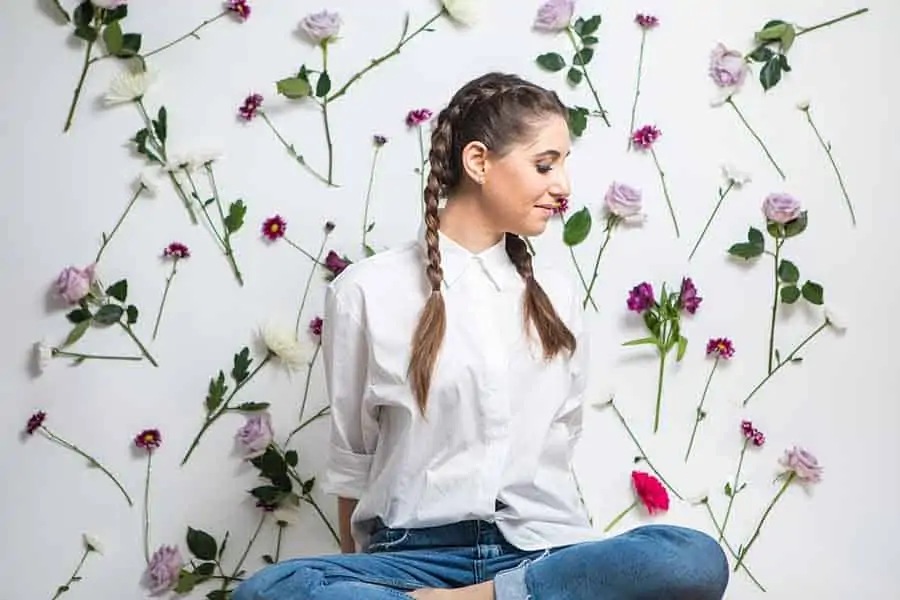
point(353, 429)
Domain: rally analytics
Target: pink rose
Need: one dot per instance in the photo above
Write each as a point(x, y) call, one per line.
point(804, 465)
point(623, 200)
point(163, 568)
point(727, 67)
point(73, 283)
point(554, 15)
point(256, 434)
point(321, 26)
point(781, 208)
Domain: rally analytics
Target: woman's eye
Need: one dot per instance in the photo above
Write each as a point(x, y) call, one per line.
point(544, 168)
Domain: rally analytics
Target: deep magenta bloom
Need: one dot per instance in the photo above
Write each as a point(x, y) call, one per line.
point(646, 21)
point(562, 205)
point(721, 347)
point(148, 439)
point(379, 140)
point(176, 250)
point(688, 298)
point(251, 105)
point(335, 263)
point(240, 8)
point(752, 433)
point(418, 116)
point(35, 422)
point(315, 326)
point(273, 227)
point(645, 136)
point(640, 298)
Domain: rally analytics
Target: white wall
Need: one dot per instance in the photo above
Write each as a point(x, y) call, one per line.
point(63, 190)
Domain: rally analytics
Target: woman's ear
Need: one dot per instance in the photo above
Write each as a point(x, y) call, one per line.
point(474, 161)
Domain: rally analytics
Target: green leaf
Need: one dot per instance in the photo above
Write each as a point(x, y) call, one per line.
point(267, 493)
point(761, 54)
point(201, 544)
point(770, 74)
point(206, 569)
point(652, 341)
point(267, 558)
point(323, 85)
point(797, 226)
point(235, 218)
point(370, 227)
point(790, 294)
point(728, 491)
point(241, 365)
point(583, 56)
point(161, 124)
point(788, 272)
point(76, 333)
point(131, 314)
point(87, 33)
point(293, 87)
point(590, 26)
point(83, 14)
point(216, 393)
point(577, 227)
point(116, 14)
point(109, 314)
point(291, 458)
point(577, 117)
point(308, 485)
point(755, 237)
point(782, 58)
point(589, 40)
point(131, 45)
point(574, 76)
point(551, 61)
point(369, 251)
point(112, 37)
point(79, 315)
point(186, 582)
point(578, 25)
point(118, 290)
point(217, 595)
point(772, 31)
point(745, 250)
point(787, 40)
point(252, 406)
point(813, 293)
point(682, 347)
point(272, 464)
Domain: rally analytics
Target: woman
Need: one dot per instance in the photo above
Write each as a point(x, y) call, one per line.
point(456, 398)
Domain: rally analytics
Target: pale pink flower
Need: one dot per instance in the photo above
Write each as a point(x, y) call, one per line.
point(781, 208)
point(554, 15)
point(73, 283)
point(321, 26)
point(804, 465)
point(256, 434)
point(163, 569)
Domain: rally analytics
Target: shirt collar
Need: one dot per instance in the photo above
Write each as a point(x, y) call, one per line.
point(455, 259)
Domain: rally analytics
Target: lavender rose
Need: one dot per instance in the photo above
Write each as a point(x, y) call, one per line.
point(804, 465)
point(727, 67)
point(781, 208)
point(73, 283)
point(256, 434)
point(554, 15)
point(623, 200)
point(322, 26)
point(162, 571)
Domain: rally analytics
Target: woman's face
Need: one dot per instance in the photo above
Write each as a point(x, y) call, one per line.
point(522, 188)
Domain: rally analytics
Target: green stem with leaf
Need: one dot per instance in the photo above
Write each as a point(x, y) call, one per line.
point(735, 488)
point(728, 546)
point(637, 85)
point(700, 414)
point(86, 65)
point(127, 328)
point(829, 22)
point(322, 412)
point(230, 224)
point(290, 148)
point(786, 360)
point(709, 221)
point(240, 562)
point(610, 225)
point(762, 144)
point(74, 577)
point(93, 461)
point(620, 516)
point(324, 105)
point(787, 481)
point(571, 35)
point(837, 171)
point(662, 180)
point(190, 34)
point(162, 303)
point(367, 250)
point(778, 243)
point(108, 238)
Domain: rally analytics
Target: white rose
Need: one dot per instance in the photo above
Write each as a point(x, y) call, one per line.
point(467, 12)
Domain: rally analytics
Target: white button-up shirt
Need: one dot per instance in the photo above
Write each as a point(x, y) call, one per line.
point(501, 422)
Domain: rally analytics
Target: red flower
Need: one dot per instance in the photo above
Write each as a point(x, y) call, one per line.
point(176, 250)
point(315, 326)
point(645, 136)
point(273, 227)
point(418, 116)
point(251, 105)
point(650, 491)
point(35, 422)
point(148, 439)
point(240, 8)
point(335, 263)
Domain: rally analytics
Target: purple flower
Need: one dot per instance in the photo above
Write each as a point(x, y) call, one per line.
point(35, 422)
point(176, 250)
point(322, 26)
point(562, 205)
point(623, 200)
point(554, 15)
point(148, 439)
point(721, 347)
point(256, 434)
point(646, 21)
point(315, 326)
point(240, 8)
point(645, 136)
point(781, 208)
point(73, 283)
point(163, 569)
point(803, 464)
point(752, 433)
point(379, 140)
point(640, 298)
point(250, 107)
point(418, 116)
point(727, 68)
point(329, 226)
point(335, 263)
point(688, 298)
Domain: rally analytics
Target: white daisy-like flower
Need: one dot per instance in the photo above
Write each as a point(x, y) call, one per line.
point(92, 543)
point(148, 185)
point(288, 350)
point(43, 353)
point(803, 105)
point(733, 175)
point(834, 320)
point(466, 12)
point(129, 86)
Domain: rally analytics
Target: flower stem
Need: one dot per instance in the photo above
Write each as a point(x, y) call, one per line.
point(293, 151)
point(730, 101)
point(837, 171)
point(620, 516)
point(56, 352)
point(192, 33)
point(659, 387)
point(74, 577)
point(641, 449)
point(223, 408)
point(831, 21)
point(637, 85)
point(322, 412)
point(662, 179)
point(587, 77)
point(700, 409)
point(309, 369)
point(147, 509)
point(365, 225)
point(590, 286)
point(584, 283)
point(229, 250)
point(777, 287)
point(143, 349)
point(108, 238)
point(308, 282)
point(328, 140)
point(734, 489)
point(769, 508)
point(302, 251)
point(86, 65)
point(786, 360)
point(728, 545)
point(93, 461)
point(165, 295)
point(278, 543)
point(240, 562)
point(334, 534)
point(420, 194)
point(722, 195)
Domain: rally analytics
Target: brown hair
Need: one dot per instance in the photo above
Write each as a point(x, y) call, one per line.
point(497, 110)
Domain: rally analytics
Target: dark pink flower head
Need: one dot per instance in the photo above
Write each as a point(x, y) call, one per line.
point(35, 422)
point(336, 264)
point(240, 8)
point(251, 105)
point(315, 326)
point(148, 439)
point(688, 298)
point(273, 227)
point(721, 347)
point(562, 205)
point(176, 250)
point(640, 298)
point(329, 226)
point(379, 140)
point(752, 433)
point(266, 506)
point(645, 136)
point(646, 21)
point(418, 116)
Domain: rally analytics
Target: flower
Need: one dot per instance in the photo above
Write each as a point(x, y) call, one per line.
point(721, 347)
point(251, 105)
point(286, 516)
point(322, 27)
point(463, 11)
point(418, 116)
point(73, 283)
point(144, 183)
point(256, 434)
point(650, 492)
point(781, 208)
point(646, 21)
point(640, 298)
point(753, 434)
point(129, 86)
point(727, 68)
point(734, 176)
point(688, 298)
point(240, 8)
point(35, 422)
point(43, 354)
point(562, 205)
point(335, 263)
point(176, 250)
point(315, 326)
point(834, 321)
point(273, 227)
point(92, 543)
point(329, 226)
point(645, 136)
point(803, 105)
point(162, 572)
point(148, 439)
point(379, 140)
point(109, 4)
point(802, 464)
point(285, 347)
point(201, 158)
point(623, 200)
point(554, 15)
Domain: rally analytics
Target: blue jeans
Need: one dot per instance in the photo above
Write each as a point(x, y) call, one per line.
point(653, 562)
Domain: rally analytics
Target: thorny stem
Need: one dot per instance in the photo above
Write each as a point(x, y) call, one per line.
point(700, 410)
point(278, 542)
point(192, 33)
point(74, 577)
point(740, 115)
point(734, 489)
point(596, 271)
point(786, 360)
point(827, 148)
point(108, 238)
point(322, 412)
point(93, 461)
point(365, 225)
point(302, 251)
point(587, 77)
point(662, 179)
point(240, 562)
point(722, 195)
point(293, 151)
point(229, 250)
point(77, 93)
point(637, 85)
point(728, 545)
point(308, 498)
point(140, 345)
point(777, 286)
point(803, 30)
point(324, 105)
point(769, 508)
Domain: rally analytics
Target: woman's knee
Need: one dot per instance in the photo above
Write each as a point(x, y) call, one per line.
point(295, 579)
point(694, 560)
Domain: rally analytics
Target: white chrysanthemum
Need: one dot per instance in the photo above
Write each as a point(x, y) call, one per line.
point(467, 12)
point(129, 86)
point(288, 350)
point(733, 175)
point(148, 185)
point(92, 543)
point(803, 105)
point(43, 355)
point(835, 320)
